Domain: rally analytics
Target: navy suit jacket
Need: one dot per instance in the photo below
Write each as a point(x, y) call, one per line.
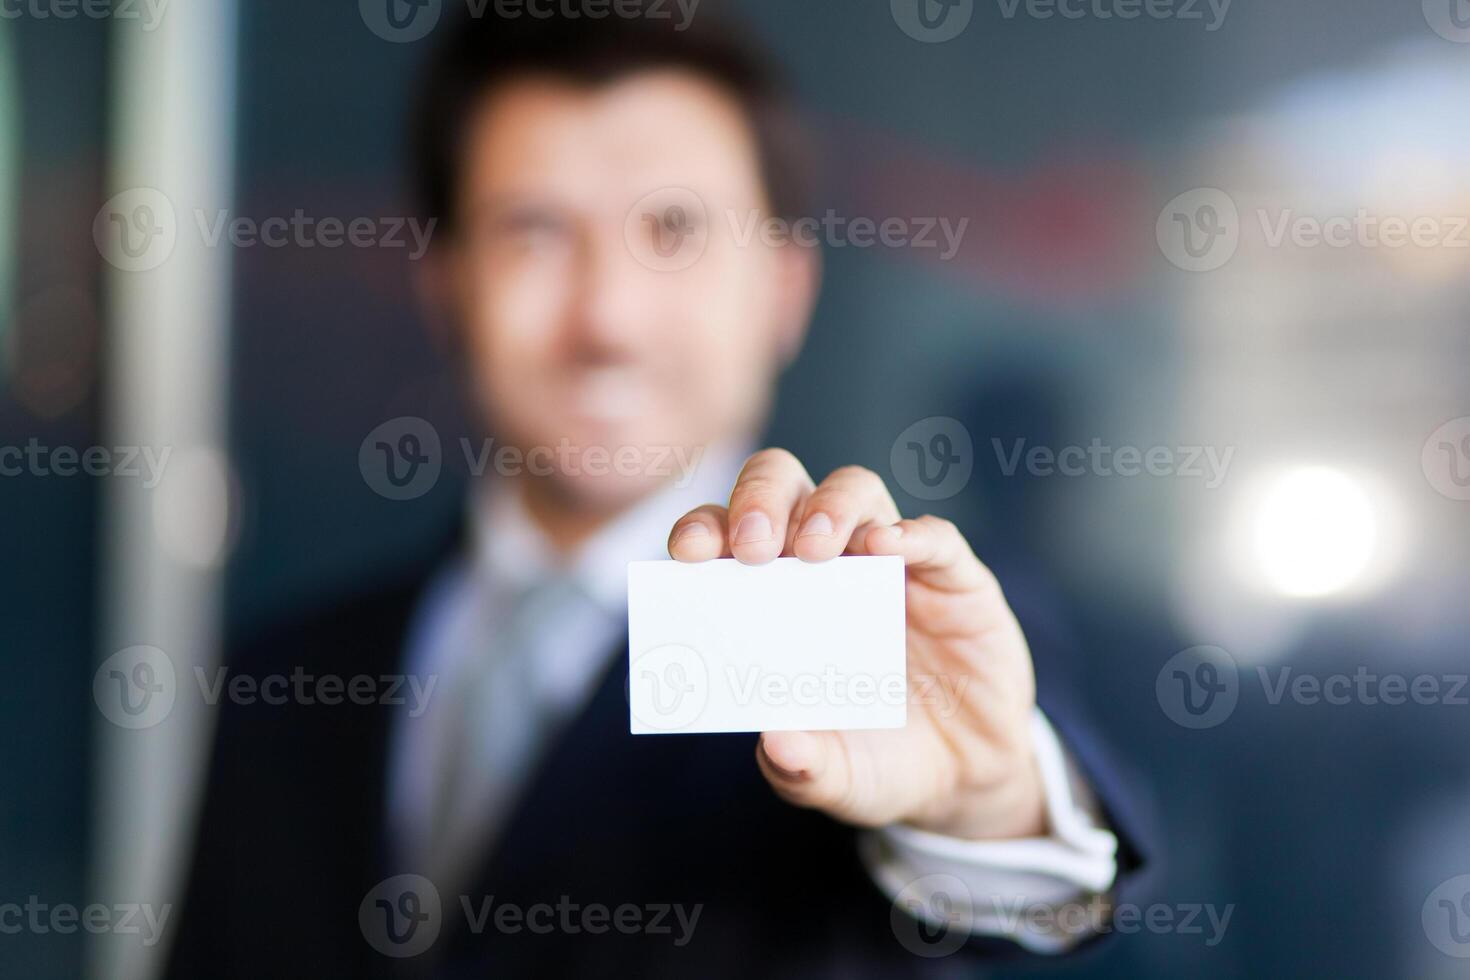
point(291, 841)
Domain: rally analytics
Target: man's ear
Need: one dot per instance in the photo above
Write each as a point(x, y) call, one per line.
point(436, 289)
point(799, 280)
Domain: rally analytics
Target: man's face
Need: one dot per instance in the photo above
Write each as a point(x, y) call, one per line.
point(601, 303)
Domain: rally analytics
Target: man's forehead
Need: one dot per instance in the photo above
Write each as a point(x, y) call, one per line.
point(632, 135)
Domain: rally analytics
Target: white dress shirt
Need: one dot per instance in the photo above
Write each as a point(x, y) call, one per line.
point(531, 653)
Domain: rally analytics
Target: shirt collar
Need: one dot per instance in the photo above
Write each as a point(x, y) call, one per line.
point(512, 554)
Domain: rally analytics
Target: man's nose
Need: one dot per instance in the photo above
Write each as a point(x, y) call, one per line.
point(614, 295)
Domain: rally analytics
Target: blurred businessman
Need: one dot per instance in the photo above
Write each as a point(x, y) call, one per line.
point(585, 278)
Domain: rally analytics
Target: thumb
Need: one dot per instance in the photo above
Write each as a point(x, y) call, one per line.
point(807, 769)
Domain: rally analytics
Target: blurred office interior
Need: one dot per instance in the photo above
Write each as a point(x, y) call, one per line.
point(1335, 540)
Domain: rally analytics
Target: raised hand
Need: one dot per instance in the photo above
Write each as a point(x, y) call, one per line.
point(964, 764)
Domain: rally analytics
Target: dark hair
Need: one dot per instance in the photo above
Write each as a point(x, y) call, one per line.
point(473, 54)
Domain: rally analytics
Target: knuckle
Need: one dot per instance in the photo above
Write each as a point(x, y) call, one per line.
point(940, 525)
point(829, 499)
point(752, 490)
point(852, 471)
point(858, 475)
point(987, 575)
point(772, 457)
point(988, 584)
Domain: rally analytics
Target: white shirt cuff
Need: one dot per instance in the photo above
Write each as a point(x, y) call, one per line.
point(1044, 893)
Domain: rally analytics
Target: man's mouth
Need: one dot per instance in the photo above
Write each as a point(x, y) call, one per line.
point(609, 395)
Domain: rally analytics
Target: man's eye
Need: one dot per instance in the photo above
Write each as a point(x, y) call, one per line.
point(529, 228)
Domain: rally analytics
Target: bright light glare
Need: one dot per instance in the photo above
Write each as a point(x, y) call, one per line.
point(1315, 532)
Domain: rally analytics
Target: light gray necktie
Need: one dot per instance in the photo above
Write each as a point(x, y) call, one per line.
point(492, 736)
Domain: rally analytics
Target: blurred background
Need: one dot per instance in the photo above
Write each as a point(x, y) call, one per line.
point(1216, 264)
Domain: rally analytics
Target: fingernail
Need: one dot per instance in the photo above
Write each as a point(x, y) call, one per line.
point(694, 529)
point(796, 753)
point(753, 527)
point(818, 523)
point(792, 774)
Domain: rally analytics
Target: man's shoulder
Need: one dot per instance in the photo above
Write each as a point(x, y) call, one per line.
point(310, 690)
point(354, 628)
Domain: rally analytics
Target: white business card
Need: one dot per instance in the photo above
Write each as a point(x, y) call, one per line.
point(721, 646)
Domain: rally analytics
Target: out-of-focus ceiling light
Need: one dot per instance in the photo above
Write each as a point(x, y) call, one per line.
point(1314, 532)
